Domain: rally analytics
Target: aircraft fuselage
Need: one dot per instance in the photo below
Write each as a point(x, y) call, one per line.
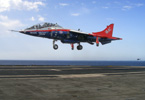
point(64, 35)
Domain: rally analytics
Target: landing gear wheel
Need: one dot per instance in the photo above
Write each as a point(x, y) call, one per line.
point(79, 47)
point(55, 46)
point(97, 44)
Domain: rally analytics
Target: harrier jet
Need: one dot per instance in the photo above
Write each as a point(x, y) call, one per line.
point(56, 32)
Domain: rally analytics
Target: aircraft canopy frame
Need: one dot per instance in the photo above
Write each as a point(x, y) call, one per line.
point(45, 25)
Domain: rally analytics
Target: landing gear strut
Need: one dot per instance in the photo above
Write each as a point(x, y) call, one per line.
point(55, 46)
point(72, 46)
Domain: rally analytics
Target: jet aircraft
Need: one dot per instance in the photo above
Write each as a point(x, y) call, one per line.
point(56, 32)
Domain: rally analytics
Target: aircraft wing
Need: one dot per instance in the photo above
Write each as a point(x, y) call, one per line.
point(79, 32)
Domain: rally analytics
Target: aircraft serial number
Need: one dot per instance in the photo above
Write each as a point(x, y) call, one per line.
point(33, 32)
point(42, 33)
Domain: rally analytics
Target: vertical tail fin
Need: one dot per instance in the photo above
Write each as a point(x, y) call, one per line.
point(106, 33)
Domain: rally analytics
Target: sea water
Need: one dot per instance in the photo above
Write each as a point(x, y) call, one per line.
point(86, 63)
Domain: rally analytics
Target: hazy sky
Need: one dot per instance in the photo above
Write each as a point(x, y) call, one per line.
point(88, 15)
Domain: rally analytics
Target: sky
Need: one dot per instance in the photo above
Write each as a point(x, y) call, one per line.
point(88, 15)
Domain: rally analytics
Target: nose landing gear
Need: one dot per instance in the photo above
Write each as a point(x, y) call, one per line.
point(55, 46)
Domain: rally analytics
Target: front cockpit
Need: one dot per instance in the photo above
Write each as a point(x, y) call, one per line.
point(45, 26)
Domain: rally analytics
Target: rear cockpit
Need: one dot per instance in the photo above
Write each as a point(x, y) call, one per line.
point(45, 26)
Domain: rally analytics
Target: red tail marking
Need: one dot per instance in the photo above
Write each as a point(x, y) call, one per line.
point(105, 33)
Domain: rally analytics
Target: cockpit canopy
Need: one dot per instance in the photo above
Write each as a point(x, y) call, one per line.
point(45, 25)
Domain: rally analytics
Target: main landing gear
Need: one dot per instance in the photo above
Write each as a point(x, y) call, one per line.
point(55, 46)
point(79, 47)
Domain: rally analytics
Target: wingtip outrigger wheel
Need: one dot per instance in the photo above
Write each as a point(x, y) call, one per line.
point(97, 41)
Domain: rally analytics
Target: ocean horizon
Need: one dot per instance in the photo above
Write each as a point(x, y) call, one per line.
point(69, 63)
